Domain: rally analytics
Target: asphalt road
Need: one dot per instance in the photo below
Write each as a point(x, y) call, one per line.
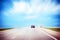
point(26, 34)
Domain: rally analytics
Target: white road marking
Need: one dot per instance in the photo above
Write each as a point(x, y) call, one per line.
point(49, 35)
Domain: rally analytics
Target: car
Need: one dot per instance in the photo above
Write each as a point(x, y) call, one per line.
point(32, 26)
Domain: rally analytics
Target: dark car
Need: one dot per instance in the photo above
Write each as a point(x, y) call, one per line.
point(32, 26)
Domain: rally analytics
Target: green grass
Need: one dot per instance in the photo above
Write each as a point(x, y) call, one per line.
point(55, 29)
point(5, 29)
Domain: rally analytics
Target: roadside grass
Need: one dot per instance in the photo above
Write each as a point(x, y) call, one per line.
point(5, 29)
point(55, 29)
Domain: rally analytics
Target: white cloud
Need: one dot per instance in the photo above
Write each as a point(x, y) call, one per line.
point(34, 8)
point(20, 6)
point(31, 17)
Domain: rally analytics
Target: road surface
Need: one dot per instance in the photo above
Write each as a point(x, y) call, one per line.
point(26, 34)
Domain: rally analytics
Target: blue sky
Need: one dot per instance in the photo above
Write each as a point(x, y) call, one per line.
point(22, 13)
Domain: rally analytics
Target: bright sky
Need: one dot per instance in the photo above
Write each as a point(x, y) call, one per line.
point(22, 13)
